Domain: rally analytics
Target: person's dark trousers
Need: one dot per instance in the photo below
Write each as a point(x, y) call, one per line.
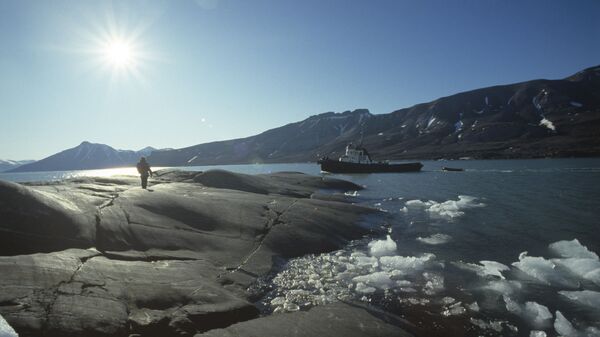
point(144, 181)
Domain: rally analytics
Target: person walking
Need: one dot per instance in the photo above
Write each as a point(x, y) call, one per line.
point(144, 169)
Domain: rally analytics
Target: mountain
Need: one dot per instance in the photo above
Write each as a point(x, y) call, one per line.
point(86, 156)
point(6, 165)
point(538, 118)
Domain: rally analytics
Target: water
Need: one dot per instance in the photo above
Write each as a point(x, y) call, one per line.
point(454, 263)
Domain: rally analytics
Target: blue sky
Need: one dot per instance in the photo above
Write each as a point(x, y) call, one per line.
point(206, 70)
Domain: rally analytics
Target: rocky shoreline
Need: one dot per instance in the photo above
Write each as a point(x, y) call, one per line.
point(102, 257)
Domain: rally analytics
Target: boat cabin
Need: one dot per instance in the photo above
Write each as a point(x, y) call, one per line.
point(355, 154)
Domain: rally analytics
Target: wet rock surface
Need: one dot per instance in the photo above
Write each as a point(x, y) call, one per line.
point(102, 257)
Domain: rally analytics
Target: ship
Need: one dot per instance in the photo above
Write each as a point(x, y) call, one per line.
point(357, 160)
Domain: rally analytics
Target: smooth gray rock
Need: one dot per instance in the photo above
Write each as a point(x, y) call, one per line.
point(331, 320)
point(103, 257)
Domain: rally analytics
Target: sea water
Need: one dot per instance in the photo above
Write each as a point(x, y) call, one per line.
point(504, 248)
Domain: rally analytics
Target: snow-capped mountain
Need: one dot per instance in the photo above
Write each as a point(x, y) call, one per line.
point(6, 165)
point(86, 156)
point(539, 118)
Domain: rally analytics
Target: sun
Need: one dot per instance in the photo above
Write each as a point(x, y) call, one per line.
point(119, 53)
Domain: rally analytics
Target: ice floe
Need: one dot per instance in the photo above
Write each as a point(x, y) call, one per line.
point(566, 329)
point(506, 287)
point(536, 315)
point(382, 247)
point(406, 264)
point(448, 209)
point(5, 329)
point(494, 325)
point(572, 248)
point(485, 268)
point(548, 124)
point(545, 271)
point(588, 298)
point(355, 274)
point(435, 239)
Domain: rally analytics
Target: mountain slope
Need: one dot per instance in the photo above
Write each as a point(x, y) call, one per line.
point(6, 165)
point(539, 118)
point(84, 157)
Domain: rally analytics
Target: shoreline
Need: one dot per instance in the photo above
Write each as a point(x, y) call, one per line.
point(176, 259)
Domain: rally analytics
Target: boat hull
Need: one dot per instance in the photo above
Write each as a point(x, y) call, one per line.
point(335, 166)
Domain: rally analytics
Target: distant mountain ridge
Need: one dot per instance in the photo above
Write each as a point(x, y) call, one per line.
point(6, 165)
point(539, 118)
point(86, 156)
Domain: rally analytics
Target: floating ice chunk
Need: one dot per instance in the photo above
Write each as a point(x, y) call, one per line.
point(278, 301)
point(434, 284)
point(544, 271)
point(497, 326)
point(536, 315)
point(493, 268)
point(588, 269)
point(5, 329)
point(289, 306)
point(366, 261)
point(585, 297)
point(352, 194)
point(453, 208)
point(382, 247)
point(486, 268)
point(537, 333)
point(435, 239)
point(454, 310)
point(406, 264)
point(448, 209)
point(503, 286)
point(474, 307)
point(563, 327)
point(404, 209)
point(380, 280)
point(548, 124)
point(572, 249)
point(364, 289)
point(415, 203)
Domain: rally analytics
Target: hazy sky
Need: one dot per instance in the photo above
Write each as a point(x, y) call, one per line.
point(178, 73)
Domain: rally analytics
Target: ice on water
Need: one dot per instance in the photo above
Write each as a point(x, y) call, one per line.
point(536, 315)
point(382, 247)
point(484, 268)
point(545, 271)
point(448, 209)
point(357, 274)
point(586, 298)
point(572, 249)
point(5, 329)
point(565, 328)
point(435, 239)
point(376, 271)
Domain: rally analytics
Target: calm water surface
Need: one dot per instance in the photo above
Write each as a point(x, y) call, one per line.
point(455, 261)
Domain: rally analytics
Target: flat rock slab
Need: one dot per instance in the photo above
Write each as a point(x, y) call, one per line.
point(103, 257)
point(331, 320)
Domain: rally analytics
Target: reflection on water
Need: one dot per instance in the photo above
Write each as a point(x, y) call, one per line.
point(61, 175)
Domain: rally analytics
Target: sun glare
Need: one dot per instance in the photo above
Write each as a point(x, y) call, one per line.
point(119, 53)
